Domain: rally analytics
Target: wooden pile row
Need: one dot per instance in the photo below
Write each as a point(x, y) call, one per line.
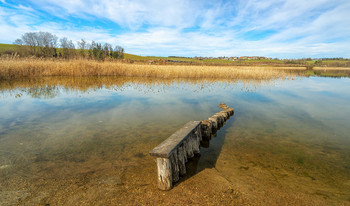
point(173, 153)
point(215, 122)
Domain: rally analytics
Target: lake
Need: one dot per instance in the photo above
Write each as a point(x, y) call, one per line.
point(78, 141)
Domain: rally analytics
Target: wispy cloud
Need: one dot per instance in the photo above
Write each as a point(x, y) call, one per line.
point(277, 28)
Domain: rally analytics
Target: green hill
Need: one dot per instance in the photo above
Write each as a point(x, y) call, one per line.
point(7, 47)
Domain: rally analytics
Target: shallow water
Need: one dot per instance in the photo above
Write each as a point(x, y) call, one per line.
point(70, 140)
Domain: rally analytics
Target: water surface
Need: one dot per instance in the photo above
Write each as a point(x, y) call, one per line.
point(86, 140)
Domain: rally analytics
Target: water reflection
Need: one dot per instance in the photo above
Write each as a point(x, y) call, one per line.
point(69, 140)
point(50, 87)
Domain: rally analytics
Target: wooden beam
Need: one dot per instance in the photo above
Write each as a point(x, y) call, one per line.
point(166, 148)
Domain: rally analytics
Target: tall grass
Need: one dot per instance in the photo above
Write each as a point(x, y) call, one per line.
point(12, 68)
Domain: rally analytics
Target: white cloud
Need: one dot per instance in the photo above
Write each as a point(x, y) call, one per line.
point(127, 13)
point(25, 8)
point(165, 42)
point(298, 28)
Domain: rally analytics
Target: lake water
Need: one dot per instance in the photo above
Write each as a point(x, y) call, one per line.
point(78, 141)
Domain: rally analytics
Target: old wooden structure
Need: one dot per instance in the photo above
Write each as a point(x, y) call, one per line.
point(173, 153)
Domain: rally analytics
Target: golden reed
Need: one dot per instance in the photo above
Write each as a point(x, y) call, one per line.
point(12, 68)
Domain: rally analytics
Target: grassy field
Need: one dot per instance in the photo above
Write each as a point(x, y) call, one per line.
point(7, 47)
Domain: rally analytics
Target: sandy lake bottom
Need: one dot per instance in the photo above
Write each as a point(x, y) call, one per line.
point(80, 141)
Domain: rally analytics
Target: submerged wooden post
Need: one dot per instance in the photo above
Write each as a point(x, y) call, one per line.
point(206, 129)
point(224, 107)
point(173, 153)
point(215, 123)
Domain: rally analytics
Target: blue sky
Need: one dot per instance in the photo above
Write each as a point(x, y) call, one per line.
point(272, 28)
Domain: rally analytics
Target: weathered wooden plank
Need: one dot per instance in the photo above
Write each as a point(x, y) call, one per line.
point(181, 160)
point(196, 141)
point(174, 166)
point(171, 143)
point(188, 142)
point(184, 150)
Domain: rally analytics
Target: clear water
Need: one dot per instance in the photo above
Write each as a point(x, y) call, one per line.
point(67, 140)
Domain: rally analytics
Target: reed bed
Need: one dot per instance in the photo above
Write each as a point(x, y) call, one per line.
point(332, 68)
point(13, 68)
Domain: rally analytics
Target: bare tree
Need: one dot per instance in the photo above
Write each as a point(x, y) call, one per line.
point(29, 39)
point(68, 48)
point(46, 43)
point(39, 43)
point(82, 46)
point(18, 42)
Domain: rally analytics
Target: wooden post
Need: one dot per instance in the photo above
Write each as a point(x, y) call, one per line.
point(215, 123)
point(174, 166)
point(223, 114)
point(206, 126)
point(220, 120)
point(165, 179)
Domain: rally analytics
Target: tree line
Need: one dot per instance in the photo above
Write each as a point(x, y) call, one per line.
point(45, 44)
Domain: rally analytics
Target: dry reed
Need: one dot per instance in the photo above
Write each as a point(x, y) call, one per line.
point(12, 68)
point(332, 68)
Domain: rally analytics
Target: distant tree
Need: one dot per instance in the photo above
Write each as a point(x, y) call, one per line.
point(118, 52)
point(82, 46)
point(29, 39)
point(39, 43)
point(97, 51)
point(68, 48)
point(46, 43)
point(91, 48)
point(18, 42)
point(107, 50)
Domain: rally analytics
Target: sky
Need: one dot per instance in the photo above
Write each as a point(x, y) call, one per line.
point(271, 28)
